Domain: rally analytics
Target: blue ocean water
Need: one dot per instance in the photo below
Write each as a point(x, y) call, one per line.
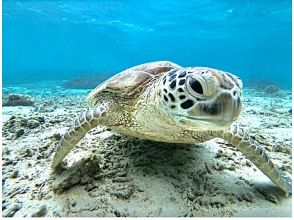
point(51, 40)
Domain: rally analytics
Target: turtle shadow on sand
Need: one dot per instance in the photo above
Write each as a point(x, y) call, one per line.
point(190, 170)
point(123, 156)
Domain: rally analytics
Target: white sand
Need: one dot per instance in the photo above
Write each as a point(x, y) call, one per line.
point(113, 175)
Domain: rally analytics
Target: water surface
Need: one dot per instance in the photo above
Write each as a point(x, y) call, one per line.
point(51, 40)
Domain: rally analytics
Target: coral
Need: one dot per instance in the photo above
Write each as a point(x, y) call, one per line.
point(17, 99)
point(15, 127)
point(85, 82)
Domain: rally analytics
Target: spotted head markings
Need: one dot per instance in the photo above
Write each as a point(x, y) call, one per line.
point(198, 89)
point(173, 90)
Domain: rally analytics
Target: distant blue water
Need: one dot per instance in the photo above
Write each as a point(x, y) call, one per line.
point(49, 40)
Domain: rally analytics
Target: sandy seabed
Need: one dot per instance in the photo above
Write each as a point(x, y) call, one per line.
point(109, 174)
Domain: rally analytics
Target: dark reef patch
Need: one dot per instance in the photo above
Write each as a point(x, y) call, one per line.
point(85, 81)
point(17, 100)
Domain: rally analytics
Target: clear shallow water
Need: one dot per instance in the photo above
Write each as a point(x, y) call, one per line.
point(52, 40)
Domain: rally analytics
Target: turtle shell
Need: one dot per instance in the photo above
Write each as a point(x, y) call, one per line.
point(130, 82)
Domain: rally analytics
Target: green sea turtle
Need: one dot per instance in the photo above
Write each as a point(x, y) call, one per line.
point(162, 101)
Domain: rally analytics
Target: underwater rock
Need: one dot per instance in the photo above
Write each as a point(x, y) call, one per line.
point(285, 148)
point(17, 100)
point(16, 125)
point(122, 191)
point(249, 197)
point(65, 182)
point(80, 173)
point(5, 150)
point(11, 210)
point(14, 174)
point(43, 108)
point(26, 152)
point(56, 214)
point(18, 133)
point(5, 204)
point(85, 82)
point(10, 127)
point(33, 123)
point(41, 211)
point(18, 189)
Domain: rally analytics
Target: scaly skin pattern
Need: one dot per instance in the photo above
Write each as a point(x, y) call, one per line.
point(255, 153)
point(106, 113)
point(85, 122)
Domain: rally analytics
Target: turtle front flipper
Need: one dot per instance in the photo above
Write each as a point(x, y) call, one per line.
point(84, 123)
point(255, 153)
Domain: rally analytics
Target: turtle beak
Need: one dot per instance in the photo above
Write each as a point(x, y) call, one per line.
point(221, 112)
point(230, 108)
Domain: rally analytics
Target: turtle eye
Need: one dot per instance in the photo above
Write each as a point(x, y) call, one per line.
point(202, 84)
point(196, 86)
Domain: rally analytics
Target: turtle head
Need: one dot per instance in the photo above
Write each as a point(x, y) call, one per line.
point(201, 98)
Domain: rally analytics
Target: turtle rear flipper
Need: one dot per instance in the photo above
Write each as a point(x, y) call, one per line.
point(84, 123)
point(255, 153)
